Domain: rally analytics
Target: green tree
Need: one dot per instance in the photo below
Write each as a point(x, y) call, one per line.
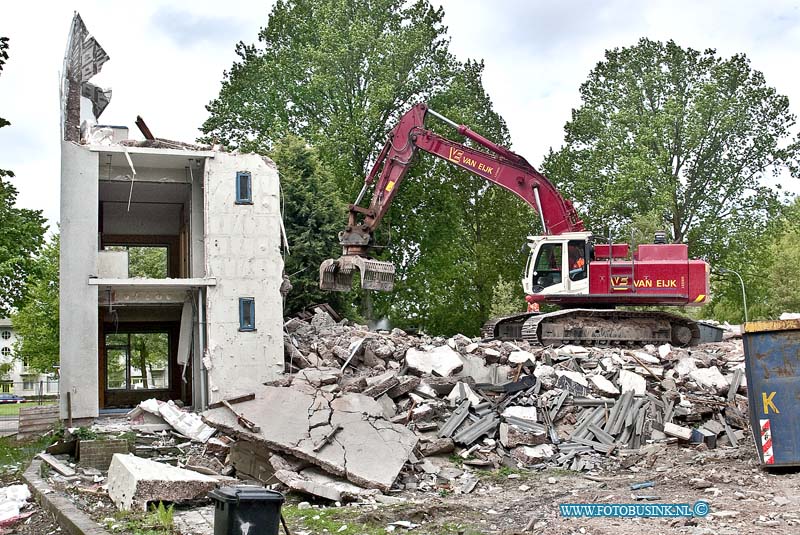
point(36, 321)
point(313, 214)
point(334, 72)
point(338, 74)
point(684, 136)
point(147, 262)
point(769, 264)
point(22, 232)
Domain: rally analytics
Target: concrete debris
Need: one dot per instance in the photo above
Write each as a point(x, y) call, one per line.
point(462, 391)
point(632, 381)
point(12, 499)
point(512, 436)
point(134, 482)
point(403, 404)
point(186, 423)
point(709, 379)
point(317, 483)
point(603, 385)
point(368, 450)
point(441, 360)
point(521, 357)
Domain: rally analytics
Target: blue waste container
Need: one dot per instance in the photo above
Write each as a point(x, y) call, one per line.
point(772, 368)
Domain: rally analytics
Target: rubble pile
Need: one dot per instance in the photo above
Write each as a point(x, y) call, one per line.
point(362, 415)
point(385, 410)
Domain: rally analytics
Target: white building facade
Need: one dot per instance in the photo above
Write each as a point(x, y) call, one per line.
point(20, 379)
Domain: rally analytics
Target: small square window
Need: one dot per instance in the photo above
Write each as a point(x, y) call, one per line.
point(247, 314)
point(244, 188)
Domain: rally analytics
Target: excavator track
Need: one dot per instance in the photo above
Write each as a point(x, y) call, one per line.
point(596, 327)
point(506, 327)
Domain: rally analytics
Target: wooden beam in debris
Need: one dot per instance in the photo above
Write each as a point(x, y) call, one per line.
point(57, 465)
point(143, 128)
point(233, 401)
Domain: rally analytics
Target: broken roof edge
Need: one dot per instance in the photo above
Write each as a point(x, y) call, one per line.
point(154, 283)
point(135, 149)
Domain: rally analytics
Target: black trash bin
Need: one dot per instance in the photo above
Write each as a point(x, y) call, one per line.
point(251, 510)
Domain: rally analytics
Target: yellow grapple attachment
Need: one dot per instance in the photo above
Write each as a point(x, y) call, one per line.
point(337, 274)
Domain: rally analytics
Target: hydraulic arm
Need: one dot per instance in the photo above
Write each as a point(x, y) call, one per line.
point(496, 164)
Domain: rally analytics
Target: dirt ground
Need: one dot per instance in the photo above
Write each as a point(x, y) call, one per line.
point(742, 498)
point(40, 523)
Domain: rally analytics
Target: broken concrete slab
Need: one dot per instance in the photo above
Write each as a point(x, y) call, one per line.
point(186, 423)
point(645, 357)
point(575, 377)
point(603, 385)
point(368, 450)
point(523, 413)
point(709, 379)
point(632, 381)
point(521, 357)
point(533, 454)
point(512, 436)
point(317, 377)
point(437, 446)
point(441, 360)
point(462, 391)
point(679, 431)
point(686, 365)
point(134, 482)
point(476, 368)
point(317, 483)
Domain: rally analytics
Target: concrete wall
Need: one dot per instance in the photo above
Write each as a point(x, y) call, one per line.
point(78, 300)
point(242, 246)
point(142, 219)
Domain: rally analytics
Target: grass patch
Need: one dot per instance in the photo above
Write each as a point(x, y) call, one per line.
point(21, 453)
point(12, 409)
point(158, 521)
point(502, 473)
point(330, 520)
point(366, 521)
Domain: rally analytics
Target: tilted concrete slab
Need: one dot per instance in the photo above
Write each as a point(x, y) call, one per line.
point(133, 482)
point(365, 449)
point(314, 481)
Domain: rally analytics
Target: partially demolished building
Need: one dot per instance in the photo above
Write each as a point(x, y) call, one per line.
point(170, 260)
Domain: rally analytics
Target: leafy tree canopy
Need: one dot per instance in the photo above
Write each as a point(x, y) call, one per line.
point(36, 321)
point(683, 137)
point(334, 72)
point(22, 232)
point(313, 214)
point(338, 74)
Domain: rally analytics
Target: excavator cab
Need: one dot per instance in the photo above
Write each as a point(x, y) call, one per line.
point(558, 264)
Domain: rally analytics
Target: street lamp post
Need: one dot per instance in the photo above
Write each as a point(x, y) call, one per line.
point(744, 295)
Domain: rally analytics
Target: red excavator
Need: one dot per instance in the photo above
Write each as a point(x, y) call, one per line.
point(567, 266)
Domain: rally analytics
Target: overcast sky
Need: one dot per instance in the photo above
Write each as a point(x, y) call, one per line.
point(167, 60)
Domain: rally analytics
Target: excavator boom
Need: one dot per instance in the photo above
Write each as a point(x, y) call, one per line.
point(496, 164)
